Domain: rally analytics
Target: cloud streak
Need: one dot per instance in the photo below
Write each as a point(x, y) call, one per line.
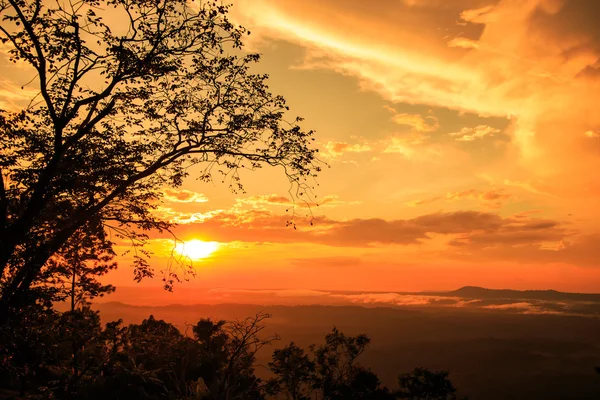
point(463, 229)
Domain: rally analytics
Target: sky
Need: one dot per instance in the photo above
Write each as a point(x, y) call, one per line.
point(463, 144)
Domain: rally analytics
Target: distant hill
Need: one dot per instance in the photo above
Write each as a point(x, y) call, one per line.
point(475, 292)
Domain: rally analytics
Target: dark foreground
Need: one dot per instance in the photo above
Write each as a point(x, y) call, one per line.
point(491, 354)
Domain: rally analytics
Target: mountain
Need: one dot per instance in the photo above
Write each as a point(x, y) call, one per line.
point(475, 292)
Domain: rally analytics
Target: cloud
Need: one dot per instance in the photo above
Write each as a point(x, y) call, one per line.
point(510, 306)
point(412, 147)
point(274, 199)
point(592, 134)
point(471, 134)
point(183, 196)
point(397, 299)
point(464, 43)
point(465, 194)
point(487, 195)
point(529, 60)
point(417, 122)
point(333, 150)
point(415, 203)
point(528, 186)
point(182, 217)
point(462, 230)
point(574, 249)
point(493, 194)
point(14, 97)
point(492, 198)
point(515, 232)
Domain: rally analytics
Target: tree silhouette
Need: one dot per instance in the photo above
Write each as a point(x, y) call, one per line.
point(236, 379)
point(28, 348)
point(74, 270)
point(159, 350)
point(294, 373)
point(127, 105)
point(423, 384)
point(213, 338)
point(155, 360)
point(338, 375)
point(84, 347)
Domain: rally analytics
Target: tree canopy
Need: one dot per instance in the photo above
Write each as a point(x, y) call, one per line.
point(133, 96)
point(217, 360)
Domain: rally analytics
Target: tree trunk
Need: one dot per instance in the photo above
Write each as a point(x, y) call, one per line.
point(74, 345)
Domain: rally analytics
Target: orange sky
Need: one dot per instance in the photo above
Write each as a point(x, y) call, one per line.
point(463, 138)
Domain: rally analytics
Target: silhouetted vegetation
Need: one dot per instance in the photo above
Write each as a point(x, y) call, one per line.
point(134, 96)
point(70, 355)
point(424, 384)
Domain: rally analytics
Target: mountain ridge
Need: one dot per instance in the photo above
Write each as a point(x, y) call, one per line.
point(547, 294)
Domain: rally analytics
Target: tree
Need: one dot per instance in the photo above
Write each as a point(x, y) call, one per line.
point(337, 371)
point(213, 339)
point(39, 355)
point(159, 351)
point(84, 347)
point(423, 384)
point(236, 380)
point(365, 384)
point(127, 105)
point(74, 270)
point(294, 373)
point(30, 349)
point(221, 354)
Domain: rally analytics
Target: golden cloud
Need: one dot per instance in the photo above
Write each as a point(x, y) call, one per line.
point(274, 199)
point(492, 198)
point(463, 229)
point(335, 150)
point(417, 122)
point(183, 196)
point(528, 186)
point(478, 132)
point(531, 60)
point(415, 203)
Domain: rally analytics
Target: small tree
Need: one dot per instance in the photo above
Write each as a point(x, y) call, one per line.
point(423, 384)
point(126, 105)
point(74, 270)
point(236, 380)
point(213, 340)
point(72, 275)
point(30, 349)
point(335, 362)
point(294, 373)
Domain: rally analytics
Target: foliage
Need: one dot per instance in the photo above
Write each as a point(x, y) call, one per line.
point(335, 361)
point(73, 272)
point(133, 96)
point(155, 360)
point(294, 373)
point(29, 348)
point(422, 384)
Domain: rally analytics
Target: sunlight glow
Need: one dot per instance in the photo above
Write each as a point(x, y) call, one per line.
point(196, 249)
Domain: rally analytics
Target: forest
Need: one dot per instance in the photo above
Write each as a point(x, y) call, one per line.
point(70, 355)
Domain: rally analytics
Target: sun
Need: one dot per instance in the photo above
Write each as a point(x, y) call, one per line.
point(196, 249)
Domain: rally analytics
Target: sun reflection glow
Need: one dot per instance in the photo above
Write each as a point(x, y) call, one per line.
point(196, 249)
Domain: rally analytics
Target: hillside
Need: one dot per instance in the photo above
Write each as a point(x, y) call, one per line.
point(475, 292)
